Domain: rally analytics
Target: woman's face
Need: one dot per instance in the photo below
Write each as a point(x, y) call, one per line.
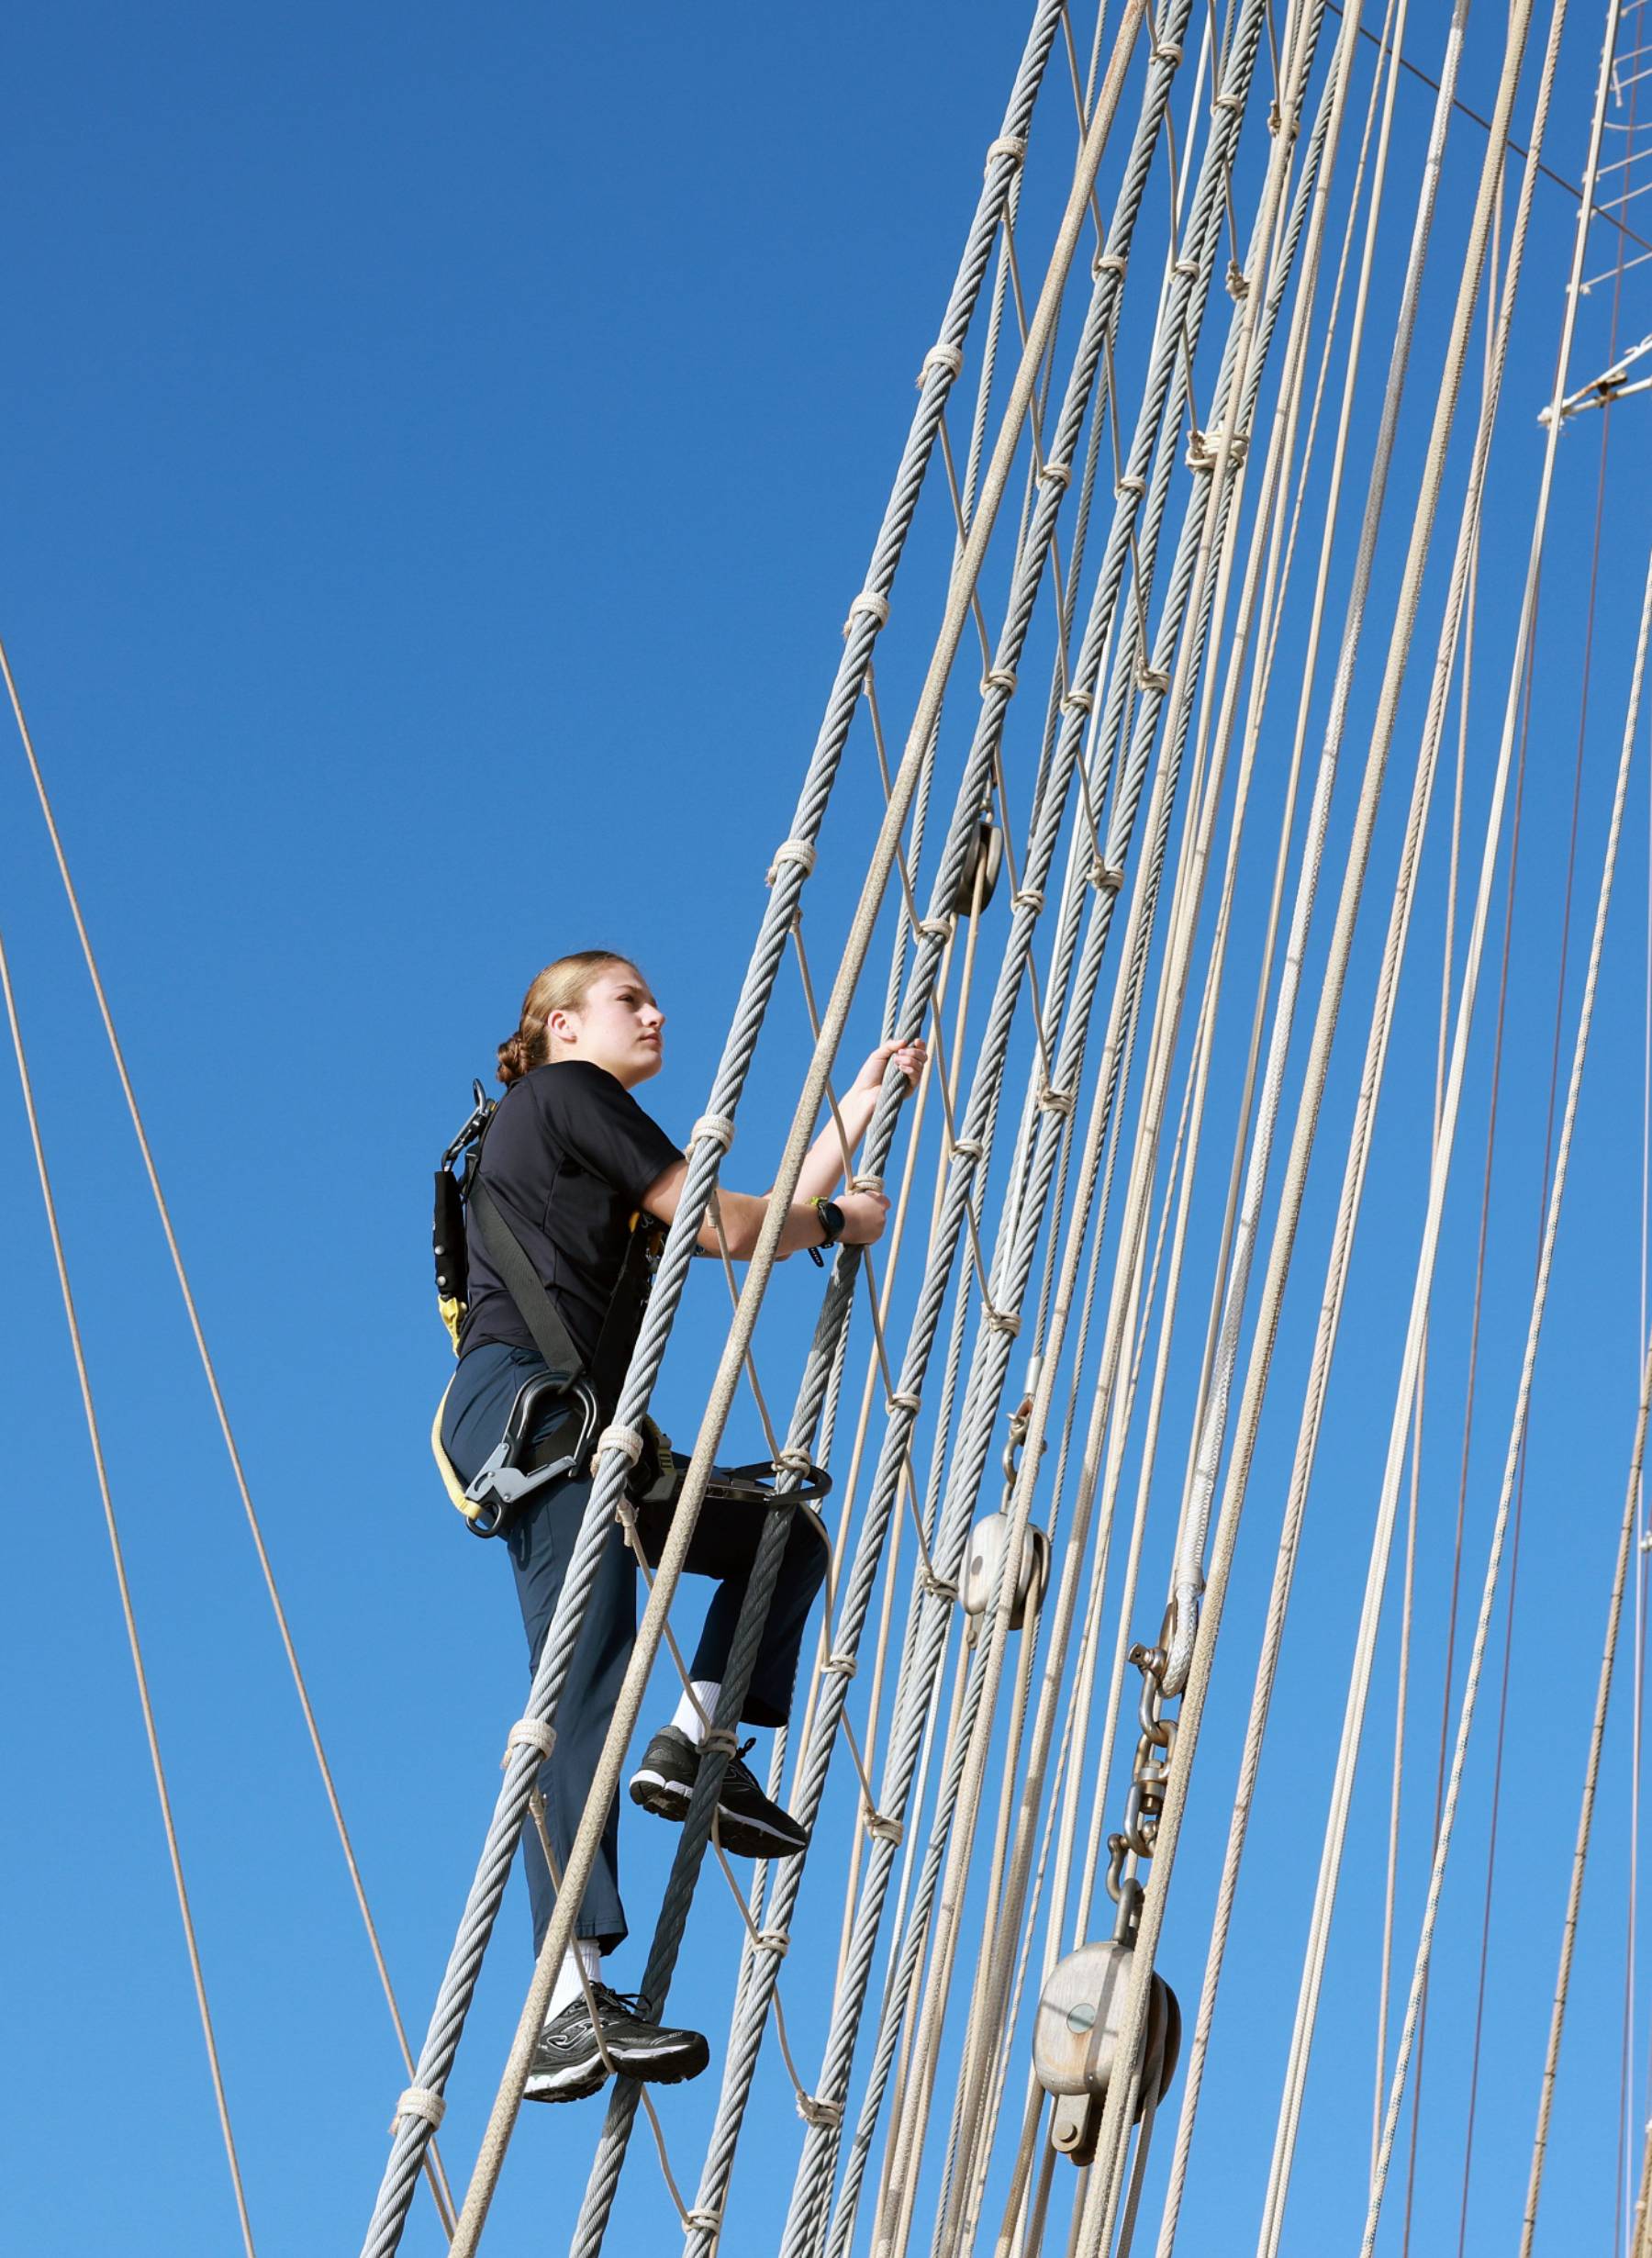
point(619, 1027)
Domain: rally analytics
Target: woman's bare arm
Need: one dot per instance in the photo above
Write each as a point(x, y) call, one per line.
point(823, 1167)
point(864, 1211)
point(743, 1213)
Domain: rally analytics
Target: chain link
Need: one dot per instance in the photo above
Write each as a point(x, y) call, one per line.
point(1133, 1845)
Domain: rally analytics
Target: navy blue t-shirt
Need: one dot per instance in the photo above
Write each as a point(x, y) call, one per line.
point(567, 1157)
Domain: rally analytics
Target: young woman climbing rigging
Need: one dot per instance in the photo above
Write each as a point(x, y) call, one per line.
point(570, 1160)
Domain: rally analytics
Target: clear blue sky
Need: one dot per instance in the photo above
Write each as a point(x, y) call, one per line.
point(440, 448)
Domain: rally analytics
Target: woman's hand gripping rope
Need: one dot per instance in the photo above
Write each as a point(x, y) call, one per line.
point(864, 1209)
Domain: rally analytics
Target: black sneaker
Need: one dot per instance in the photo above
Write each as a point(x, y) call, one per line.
point(568, 2063)
point(747, 1823)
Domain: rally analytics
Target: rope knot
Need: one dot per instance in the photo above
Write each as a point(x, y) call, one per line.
point(1108, 262)
point(905, 1400)
point(870, 1182)
point(528, 1733)
point(1167, 50)
point(998, 678)
point(775, 1940)
point(717, 1126)
point(942, 355)
point(1153, 678)
point(420, 2101)
point(1131, 484)
point(827, 2115)
point(627, 1441)
point(1078, 701)
point(1056, 1101)
point(796, 1462)
point(721, 1739)
point(936, 928)
point(870, 605)
point(840, 1665)
point(967, 1148)
point(936, 1586)
point(1001, 1320)
point(1028, 898)
point(1055, 474)
point(885, 1829)
point(799, 851)
point(1107, 877)
point(1010, 145)
point(707, 2218)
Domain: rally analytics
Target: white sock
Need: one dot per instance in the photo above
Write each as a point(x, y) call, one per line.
point(585, 1954)
point(687, 1718)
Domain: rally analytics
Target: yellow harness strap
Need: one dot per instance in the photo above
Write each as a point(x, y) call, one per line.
point(444, 1465)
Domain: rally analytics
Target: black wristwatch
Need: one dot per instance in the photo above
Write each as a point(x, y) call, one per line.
point(831, 1227)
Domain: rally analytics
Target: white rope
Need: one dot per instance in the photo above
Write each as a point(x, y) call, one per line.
point(440, 2191)
point(465, 1961)
point(624, 1442)
point(1106, 2181)
point(1591, 1774)
point(419, 2101)
point(1034, 1227)
point(128, 1609)
point(1522, 1401)
point(737, 2077)
point(1336, 1825)
point(531, 1733)
point(1187, 1576)
point(1121, 1425)
point(1353, 1178)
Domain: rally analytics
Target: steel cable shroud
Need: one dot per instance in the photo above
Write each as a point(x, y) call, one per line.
point(440, 2044)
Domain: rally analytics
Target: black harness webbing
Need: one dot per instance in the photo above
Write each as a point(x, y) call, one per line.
point(540, 1313)
point(537, 1311)
point(510, 1474)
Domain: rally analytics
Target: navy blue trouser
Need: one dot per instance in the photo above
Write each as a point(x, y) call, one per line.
point(541, 1544)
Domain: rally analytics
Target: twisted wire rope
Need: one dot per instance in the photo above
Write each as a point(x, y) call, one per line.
point(1029, 1459)
point(1342, 1241)
point(1336, 1824)
point(1100, 2196)
point(1008, 1909)
point(709, 2205)
point(447, 2020)
point(1187, 1575)
point(999, 1859)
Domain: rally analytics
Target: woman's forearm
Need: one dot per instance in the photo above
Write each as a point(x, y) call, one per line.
point(742, 1216)
point(823, 1169)
point(819, 1178)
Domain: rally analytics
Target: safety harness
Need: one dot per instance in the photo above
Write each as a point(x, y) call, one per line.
point(529, 1456)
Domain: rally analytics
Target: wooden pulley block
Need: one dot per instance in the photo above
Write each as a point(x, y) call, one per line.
point(987, 856)
point(1075, 2041)
point(989, 1544)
